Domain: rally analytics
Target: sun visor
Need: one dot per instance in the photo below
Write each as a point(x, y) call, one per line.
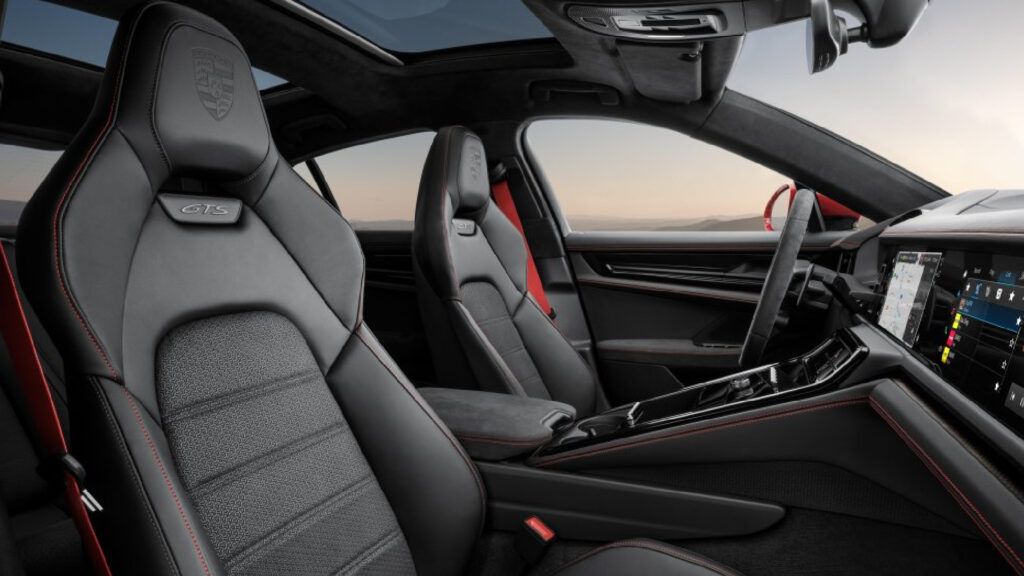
point(668, 73)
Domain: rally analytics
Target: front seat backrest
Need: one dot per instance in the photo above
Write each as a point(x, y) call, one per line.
point(485, 330)
point(234, 412)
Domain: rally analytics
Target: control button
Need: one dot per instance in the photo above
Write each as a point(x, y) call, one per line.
point(1015, 400)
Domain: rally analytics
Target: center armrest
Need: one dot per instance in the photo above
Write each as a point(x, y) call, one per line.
point(495, 426)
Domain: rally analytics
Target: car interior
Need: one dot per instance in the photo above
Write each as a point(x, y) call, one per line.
point(211, 367)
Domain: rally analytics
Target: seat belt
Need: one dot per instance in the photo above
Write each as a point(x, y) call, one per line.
point(25, 360)
point(502, 195)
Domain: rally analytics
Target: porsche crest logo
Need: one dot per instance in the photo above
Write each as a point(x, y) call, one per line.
point(215, 81)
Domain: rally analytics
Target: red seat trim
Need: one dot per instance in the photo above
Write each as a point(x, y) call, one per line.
point(25, 360)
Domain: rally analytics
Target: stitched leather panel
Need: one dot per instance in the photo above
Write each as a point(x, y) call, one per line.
point(487, 307)
point(276, 476)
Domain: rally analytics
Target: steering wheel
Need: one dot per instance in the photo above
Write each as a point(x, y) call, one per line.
point(780, 274)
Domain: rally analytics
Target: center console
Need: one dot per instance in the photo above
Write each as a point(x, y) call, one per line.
point(820, 369)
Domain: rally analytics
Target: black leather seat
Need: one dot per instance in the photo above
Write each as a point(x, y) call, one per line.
point(234, 412)
point(485, 329)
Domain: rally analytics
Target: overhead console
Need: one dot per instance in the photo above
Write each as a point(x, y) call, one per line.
point(667, 23)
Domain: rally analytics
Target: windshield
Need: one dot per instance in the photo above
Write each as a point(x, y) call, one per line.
point(945, 103)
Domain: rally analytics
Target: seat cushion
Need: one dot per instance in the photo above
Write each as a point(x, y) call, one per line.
point(643, 558)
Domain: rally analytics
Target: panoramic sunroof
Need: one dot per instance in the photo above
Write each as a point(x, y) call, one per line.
point(73, 34)
point(429, 25)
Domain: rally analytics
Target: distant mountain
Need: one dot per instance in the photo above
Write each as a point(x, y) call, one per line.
point(744, 224)
point(613, 224)
point(388, 225)
point(708, 223)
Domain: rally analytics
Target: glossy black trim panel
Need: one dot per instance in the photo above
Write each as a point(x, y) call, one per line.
point(590, 508)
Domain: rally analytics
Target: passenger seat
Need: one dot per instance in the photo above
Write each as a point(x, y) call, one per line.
point(485, 329)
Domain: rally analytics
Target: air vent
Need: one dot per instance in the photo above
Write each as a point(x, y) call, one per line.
point(661, 23)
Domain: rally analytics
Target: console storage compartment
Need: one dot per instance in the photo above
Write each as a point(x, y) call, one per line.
point(580, 507)
point(494, 426)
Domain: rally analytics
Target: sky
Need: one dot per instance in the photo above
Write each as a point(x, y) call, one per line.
point(938, 104)
point(946, 103)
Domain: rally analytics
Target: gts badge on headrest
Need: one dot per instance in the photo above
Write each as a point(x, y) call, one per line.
point(201, 209)
point(464, 227)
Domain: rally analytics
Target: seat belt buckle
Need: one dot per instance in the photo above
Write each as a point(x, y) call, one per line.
point(77, 470)
point(53, 469)
point(533, 539)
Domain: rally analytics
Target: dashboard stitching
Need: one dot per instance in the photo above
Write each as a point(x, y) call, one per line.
point(1010, 487)
point(965, 503)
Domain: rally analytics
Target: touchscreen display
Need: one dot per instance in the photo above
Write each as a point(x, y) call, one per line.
point(981, 339)
point(913, 275)
point(970, 324)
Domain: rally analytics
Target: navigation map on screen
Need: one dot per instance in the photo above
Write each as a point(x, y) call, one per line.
point(912, 278)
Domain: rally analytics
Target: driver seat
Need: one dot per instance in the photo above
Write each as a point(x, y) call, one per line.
point(485, 329)
point(233, 411)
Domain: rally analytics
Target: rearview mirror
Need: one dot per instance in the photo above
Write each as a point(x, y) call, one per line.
point(827, 36)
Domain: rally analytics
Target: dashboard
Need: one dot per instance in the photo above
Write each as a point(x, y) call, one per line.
point(962, 312)
point(953, 293)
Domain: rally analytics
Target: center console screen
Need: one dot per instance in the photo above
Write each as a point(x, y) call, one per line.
point(906, 297)
point(963, 311)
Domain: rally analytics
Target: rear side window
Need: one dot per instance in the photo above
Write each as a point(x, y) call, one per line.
point(376, 183)
point(22, 169)
point(619, 176)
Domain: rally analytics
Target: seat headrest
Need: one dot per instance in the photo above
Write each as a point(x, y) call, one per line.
point(180, 88)
point(466, 176)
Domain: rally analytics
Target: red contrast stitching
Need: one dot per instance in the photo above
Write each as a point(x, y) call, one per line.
point(711, 428)
point(72, 184)
point(167, 481)
point(965, 503)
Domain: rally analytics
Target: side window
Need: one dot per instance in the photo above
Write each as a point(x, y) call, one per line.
point(23, 170)
point(376, 183)
point(619, 176)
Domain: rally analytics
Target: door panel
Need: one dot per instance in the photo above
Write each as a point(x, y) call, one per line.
point(670, 309)
point(389, 302)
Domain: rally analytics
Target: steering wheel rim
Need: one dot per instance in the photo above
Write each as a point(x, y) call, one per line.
point(776, 283)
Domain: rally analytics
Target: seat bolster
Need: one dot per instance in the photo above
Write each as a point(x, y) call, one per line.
point(131, 472)
point(430, 482)
point(567, 375)
point(434, 211)
point(492, 373)
point(643, 558)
